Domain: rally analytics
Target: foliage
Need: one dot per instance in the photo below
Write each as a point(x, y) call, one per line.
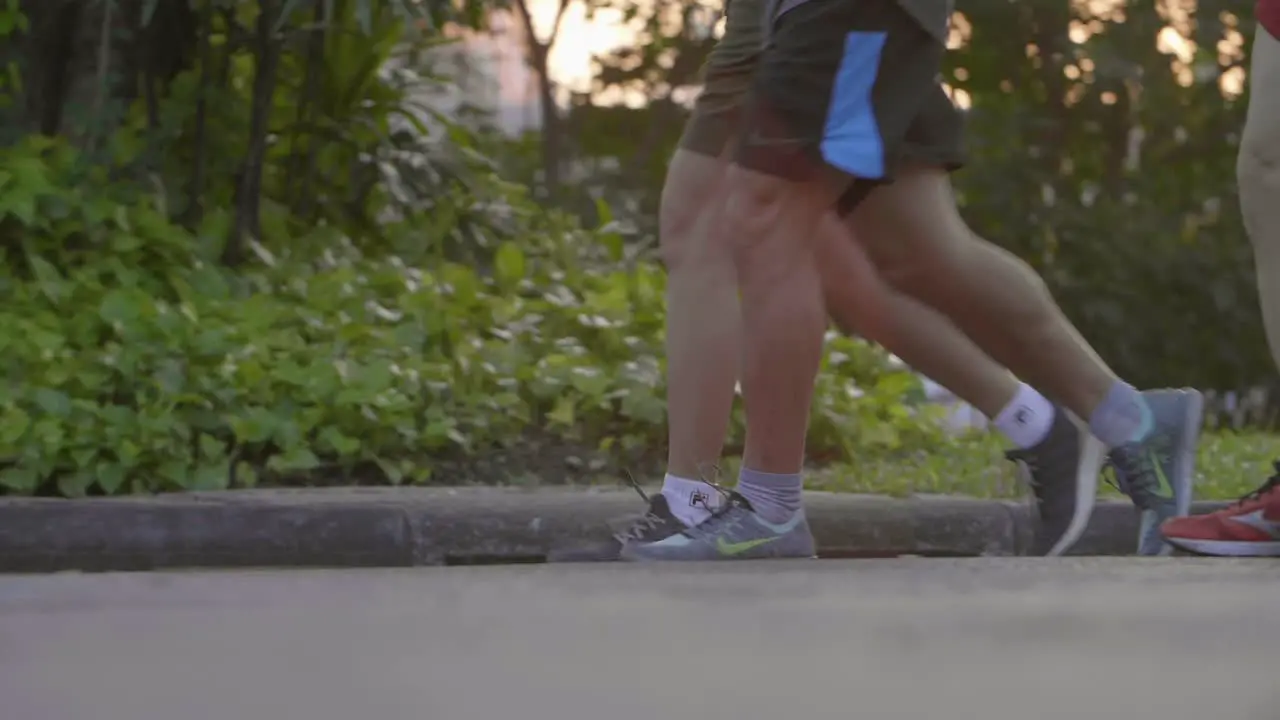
point(1122, 190)
point(1228, 465)
point(136, 362)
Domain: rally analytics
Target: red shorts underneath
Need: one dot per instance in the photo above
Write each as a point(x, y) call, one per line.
point(1268, 14)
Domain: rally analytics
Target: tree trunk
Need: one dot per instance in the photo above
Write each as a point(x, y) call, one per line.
point(536, 54)
point(303, 161)
point(249, 184)
point(195, 201)
point(54, 27)
point(551, 130)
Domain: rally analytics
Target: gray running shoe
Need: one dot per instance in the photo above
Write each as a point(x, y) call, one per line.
point(1157, 473)
point(1062, 472)
point(733, 532)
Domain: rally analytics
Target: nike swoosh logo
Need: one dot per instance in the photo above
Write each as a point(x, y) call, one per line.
point(1258, 521)
point(728, 548)
point(1166, 490)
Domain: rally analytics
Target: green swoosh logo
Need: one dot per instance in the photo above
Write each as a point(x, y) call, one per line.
point(1166, 490)
point(728, 548)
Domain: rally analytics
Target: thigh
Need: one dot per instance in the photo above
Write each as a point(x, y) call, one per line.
point(1258, 161)
point(911, 227)
point(1262, 123)
point(838, 87)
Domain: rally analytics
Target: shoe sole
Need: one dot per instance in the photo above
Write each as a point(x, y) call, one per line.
point(1092, 455)
point(1226, 548)
point(635, 554)
point(1184, 463)
point(729, 558)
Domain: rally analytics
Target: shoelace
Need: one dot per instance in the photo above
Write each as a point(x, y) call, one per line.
point(1118, 478)
point(644, 523)
point(637, 529)
point(729, 500)
point(1026, 464)
point(651, 521)
point(723, 519)
point(1132, 473)
point(1262, 490)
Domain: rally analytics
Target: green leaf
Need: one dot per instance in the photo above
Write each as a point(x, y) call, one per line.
point(128, 452)
point(119, 307)
point(75, 484)
point(394, 474)
point(125, 242)
point(53, 402)
point(509, 264)
point(564, 413)
point(419, 474)
point(246, 475)
point(437, 433)
point(13, 425)
point(603, 211)
point(211, 476)
point(176, 473)
point(84, 457)
point(340, 444)
point(296, 459)
point(258, 425)
point(111, 477)
point(211, 447)
point(51, 282)
point(21, 204)
point(19, 479)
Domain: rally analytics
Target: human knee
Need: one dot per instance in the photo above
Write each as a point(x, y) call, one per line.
point(688, 212)
point(691, 241)
point(1258, 176)
point(683, 223)
point(765, 222)
point(1258, 163)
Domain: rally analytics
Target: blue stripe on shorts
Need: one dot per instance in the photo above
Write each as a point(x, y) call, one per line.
point(851, 140)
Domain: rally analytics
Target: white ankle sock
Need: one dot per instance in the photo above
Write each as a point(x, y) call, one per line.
point(691, 501)
point(1026, 419)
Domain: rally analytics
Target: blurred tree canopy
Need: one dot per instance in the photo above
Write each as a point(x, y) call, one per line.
point(1104, 139)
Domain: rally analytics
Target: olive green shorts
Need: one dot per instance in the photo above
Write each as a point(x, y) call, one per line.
point(727, 77)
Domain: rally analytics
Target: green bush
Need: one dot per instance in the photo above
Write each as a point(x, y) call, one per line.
point(134, 362)
point(273, 271)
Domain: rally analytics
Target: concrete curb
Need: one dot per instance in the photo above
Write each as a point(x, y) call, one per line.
point(401, 527)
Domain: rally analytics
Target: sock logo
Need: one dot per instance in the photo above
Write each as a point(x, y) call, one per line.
point(1023, 415)
point(700, 499)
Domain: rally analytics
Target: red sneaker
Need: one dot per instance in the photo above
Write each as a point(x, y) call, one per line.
point(1249, 527)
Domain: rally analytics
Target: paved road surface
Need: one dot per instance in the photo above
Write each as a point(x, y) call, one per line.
point(988, 639)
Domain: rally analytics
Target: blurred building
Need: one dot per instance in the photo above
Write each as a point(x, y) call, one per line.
point(488, 74)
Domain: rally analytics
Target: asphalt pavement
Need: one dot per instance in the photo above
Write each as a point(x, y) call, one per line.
point(966, 639)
